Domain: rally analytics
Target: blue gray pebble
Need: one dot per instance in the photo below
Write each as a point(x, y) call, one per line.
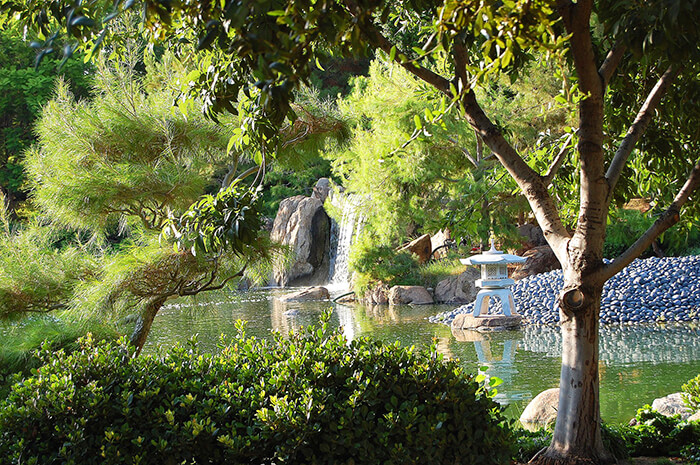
point(649, 290)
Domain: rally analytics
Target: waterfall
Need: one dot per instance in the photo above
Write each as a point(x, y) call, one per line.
point(342, 232)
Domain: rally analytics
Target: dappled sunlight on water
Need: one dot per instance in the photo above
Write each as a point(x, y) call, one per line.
point(637, 364)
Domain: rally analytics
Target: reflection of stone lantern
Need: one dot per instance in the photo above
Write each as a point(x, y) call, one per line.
point(494, 282)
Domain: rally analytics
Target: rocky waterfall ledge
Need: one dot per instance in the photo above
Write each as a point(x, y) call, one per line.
point(649, 290)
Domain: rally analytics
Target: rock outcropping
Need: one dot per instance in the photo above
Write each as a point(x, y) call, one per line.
point(306, 295)
point(540, 259)
point(303, 225)
point(421, 247)
point(459, 289)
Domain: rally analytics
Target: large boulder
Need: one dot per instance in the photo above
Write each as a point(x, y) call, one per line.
point(531, 235)
point(539, 260)
point(409, 295)
point(306, 295)
point(459, 289)
point(422, 247)
point(303, 225)
point(542, 410)
point(670, 405)
point(378, 295)
point(440, 242)
point(321, 189)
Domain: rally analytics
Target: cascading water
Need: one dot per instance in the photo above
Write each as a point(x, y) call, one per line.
point(342, 233)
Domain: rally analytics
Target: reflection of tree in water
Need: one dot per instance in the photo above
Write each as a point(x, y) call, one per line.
point(498, 355)
point(626, 344)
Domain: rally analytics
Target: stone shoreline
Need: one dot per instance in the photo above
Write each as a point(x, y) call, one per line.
point(649, 290)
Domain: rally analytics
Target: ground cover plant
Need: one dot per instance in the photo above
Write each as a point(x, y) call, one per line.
point(651, 435)
point(312, 398)
point(691, 394)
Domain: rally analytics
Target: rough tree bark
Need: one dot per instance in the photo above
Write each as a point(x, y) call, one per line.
point(145, 321)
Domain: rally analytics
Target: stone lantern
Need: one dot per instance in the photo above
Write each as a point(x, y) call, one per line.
point(494, 282)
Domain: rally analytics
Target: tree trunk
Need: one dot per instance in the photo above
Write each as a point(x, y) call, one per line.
point(577, 438)
point(145, 321)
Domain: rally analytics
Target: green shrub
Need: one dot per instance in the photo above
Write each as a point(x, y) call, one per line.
point(691, 394)
point(626, 226)
point(528, 443)
point(312, 398)
point(18, 353)
point(691, 453)
point(373, 263)
point(435, 271)
point(656, 435)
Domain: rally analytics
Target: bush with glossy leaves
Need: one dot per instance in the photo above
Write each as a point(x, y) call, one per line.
point(313, 398)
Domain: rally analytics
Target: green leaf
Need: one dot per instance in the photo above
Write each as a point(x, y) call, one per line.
point(418, 122)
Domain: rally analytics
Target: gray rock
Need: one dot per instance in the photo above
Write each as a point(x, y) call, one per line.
point(379, 295)
point(542, 410)
point(411, 295)
point(672, 404)
point(321, 189)
point(459, 289)
point(305, 295)
point(303, 225)
point(438, 242)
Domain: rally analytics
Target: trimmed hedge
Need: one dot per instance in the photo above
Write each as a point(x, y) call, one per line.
point(314, 398)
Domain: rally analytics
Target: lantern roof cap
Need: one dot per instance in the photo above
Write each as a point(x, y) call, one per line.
point(492, 256)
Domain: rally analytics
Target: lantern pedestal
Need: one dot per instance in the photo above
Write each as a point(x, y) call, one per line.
point(485, 294)
point(486, 322)
point(494, 282)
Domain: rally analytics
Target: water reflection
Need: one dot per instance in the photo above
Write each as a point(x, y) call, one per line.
point(627, 344)
point(496, 357)
point(638, 364)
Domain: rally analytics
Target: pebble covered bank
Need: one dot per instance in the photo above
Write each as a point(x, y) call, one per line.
point(649, 290)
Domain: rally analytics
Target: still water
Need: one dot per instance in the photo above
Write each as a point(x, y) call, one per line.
point(637, 364)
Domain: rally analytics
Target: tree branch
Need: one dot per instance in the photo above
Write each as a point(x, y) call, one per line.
point(639, 126)
point(464, 151)
point(380, 41)
point(612, 60)
point(667, 219)
point(558, 161)
point(528, 180)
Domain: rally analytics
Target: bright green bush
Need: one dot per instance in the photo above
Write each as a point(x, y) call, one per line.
point(626, 226)
point(654, 434)
point(373, 263)
point(312, 398)
point(691, 393)
point(18, 352)
point(528, 443)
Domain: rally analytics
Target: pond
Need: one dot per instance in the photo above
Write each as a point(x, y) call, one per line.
point(638, 363)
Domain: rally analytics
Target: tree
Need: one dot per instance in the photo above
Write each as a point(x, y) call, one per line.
point(125, 161)
point(266, 48)
point(23, 92)
point(437, 173)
